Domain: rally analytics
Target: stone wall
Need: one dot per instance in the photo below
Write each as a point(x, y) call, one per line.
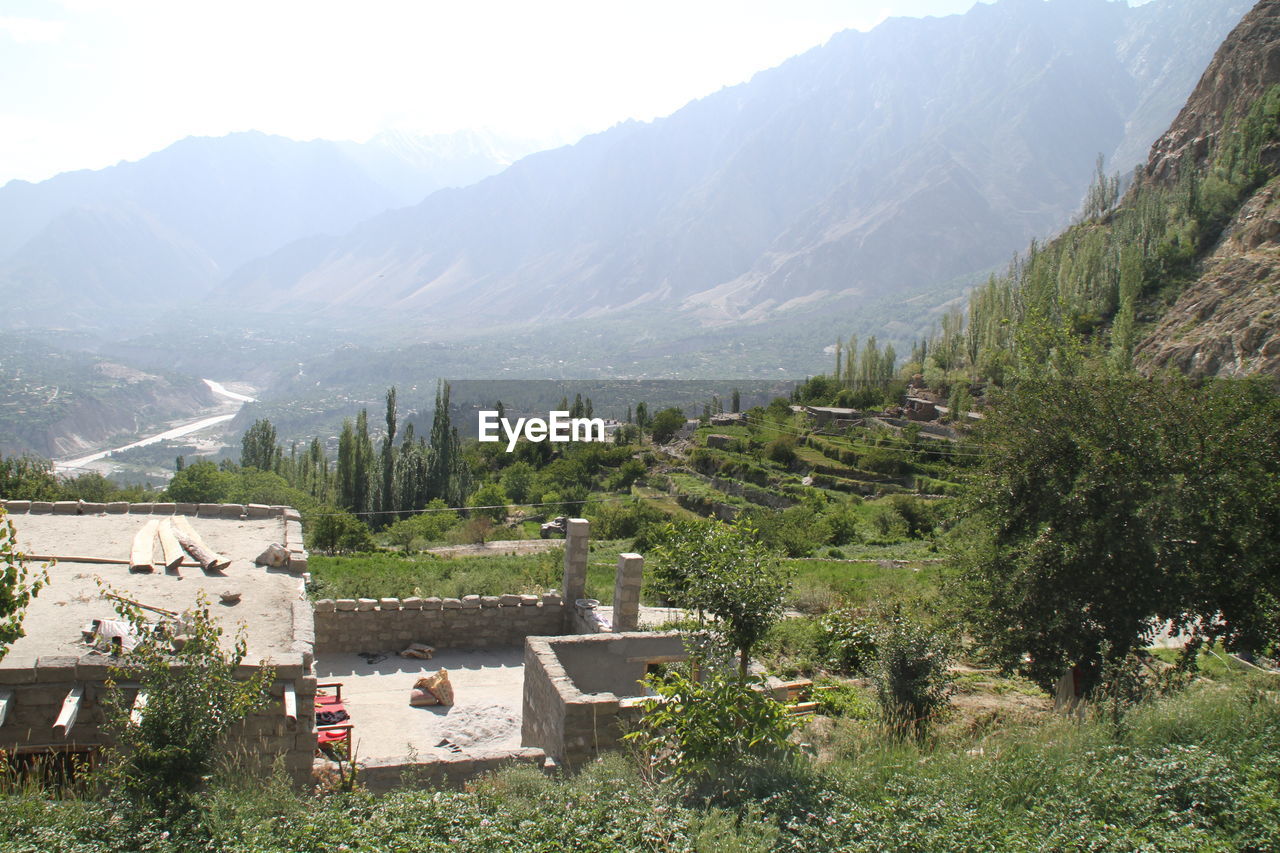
point(390, 624)
point(38, 693)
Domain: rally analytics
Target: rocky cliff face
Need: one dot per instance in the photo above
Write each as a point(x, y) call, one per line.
point(1244, 67)
point(1227, 323)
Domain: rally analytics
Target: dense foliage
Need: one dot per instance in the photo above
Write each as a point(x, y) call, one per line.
point(1103, 510)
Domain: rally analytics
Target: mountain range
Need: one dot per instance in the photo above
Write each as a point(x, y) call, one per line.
point(888, 162)
point(162, 231)
point(898, 164)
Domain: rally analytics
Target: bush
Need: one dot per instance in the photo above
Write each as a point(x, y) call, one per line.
point(782, 450)
point(913, 684)
point(622, 520)
point(709, 737)
point(336, 532)
point(193, 698)
point(848, 642)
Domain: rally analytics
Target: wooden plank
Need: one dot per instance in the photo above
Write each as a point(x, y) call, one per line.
point(70, 710)
point(143, 550)
point(139, 703)
point(209, 560)
point(6, 700)
point(290, 701)
point(108, 561)
point(169, 545)
point(802, 708)
point(135, 603)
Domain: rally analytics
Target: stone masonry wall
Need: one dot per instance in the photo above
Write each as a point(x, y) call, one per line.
point(390, 624)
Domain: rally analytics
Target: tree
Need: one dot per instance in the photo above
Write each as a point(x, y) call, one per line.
point(17, 585)
point(1102, 510)
point(27, 478)
point(386, 494)
point(666, 424)
point(517, 479)
point(258, 447)
point(200, 482)
point(491, 501)
point(722, 571)
point(337, 531)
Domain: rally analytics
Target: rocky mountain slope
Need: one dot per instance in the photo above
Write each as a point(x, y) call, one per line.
point(884, 163)
point(1227, 322)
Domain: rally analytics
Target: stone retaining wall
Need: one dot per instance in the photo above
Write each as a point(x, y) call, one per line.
point(473, 621)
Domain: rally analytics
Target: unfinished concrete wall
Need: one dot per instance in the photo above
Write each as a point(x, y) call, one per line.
point(581, 693)
point(390, 624)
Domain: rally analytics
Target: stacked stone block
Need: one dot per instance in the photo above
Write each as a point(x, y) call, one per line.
point(391, 624)
point(626, 592)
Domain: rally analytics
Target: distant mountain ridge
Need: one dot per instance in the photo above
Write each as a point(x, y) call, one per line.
point(881, 163)
point(162, 230)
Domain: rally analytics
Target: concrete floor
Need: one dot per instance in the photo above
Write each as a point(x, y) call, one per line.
point(485, 716)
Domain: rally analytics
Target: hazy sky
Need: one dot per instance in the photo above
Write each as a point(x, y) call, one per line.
point(86, 83)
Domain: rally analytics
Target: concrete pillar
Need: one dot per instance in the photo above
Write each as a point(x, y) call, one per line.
point(575, 559)
point(626, 592)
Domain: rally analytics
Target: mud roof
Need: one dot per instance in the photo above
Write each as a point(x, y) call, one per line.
point(271, 610)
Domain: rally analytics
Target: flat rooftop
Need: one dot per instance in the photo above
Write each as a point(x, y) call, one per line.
point(74, 595)
point(488, 687)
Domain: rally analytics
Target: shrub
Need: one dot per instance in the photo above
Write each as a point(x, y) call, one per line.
point(709, 737)
point(849, 643)
point(782, 450)
point(193, 698)
point(336, 531)
point(912, 681)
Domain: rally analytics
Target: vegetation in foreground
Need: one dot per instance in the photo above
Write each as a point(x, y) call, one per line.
point(1195, 771)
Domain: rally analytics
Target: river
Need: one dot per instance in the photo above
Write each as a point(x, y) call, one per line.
point(69, 466)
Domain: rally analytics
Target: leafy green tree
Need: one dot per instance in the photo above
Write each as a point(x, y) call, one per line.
point(17, 585)
point(722, 571)
point(27, 478)
point(517, 479)
point(193, 699)
point(200, 482)
point(336, 531)
point(258, 448)
point(491, 501)
point(666, 424)
point(386, 492)
point(1102, 510)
